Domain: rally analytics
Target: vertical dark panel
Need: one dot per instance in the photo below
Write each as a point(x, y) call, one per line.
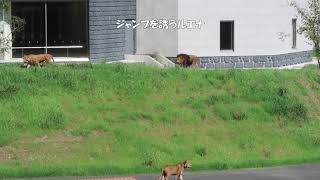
point(294, 33)
point(67, 26)
point(33, 33)
point(227, 35)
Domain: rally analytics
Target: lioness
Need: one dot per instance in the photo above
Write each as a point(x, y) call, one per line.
point(174, 170)
point(32, 59)
point(188, 60)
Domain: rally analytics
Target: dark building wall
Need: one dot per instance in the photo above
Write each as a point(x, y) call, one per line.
point(106, 41)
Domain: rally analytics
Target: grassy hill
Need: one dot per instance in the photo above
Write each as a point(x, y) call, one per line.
point(114, 119)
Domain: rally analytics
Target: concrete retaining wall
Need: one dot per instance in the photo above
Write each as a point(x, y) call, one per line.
point(266, 61)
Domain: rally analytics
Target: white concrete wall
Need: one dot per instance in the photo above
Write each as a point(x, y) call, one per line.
point(257, 27)
point(154, 41)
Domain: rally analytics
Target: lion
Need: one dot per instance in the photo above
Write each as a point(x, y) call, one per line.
point(188, 60)
point(32, 59)
point(176, 169)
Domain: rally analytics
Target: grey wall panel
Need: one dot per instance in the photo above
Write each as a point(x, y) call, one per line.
point(106, 41)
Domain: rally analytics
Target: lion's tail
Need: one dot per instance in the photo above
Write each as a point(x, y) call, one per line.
point(52, 58)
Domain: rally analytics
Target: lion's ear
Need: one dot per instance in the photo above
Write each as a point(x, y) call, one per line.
point(185, 162)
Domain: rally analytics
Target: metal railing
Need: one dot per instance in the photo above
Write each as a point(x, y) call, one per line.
point(48, 47)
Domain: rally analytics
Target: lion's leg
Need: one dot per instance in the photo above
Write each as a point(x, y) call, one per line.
point(181, 178)
point(38, 64)
point(28, 66)
point(195, 64)
point(162, 177)
point(177, 177)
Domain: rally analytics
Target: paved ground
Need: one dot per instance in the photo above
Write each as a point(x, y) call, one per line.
point(298, 66)
point(80, 60)
point(304, 172)
point(57, 60)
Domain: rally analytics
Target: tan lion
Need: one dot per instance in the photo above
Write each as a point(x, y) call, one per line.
point(32, 59)
point(176, 169)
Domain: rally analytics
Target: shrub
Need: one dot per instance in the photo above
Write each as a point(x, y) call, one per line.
point(203, 114)
point(149, 159)
point(6, 136)
point(247, 142)
point(284, 104)
point(212, 100)
point(8, 90)
point(239, 115)
point(52, 119)
point(80, 66)
point(315, 140)
point(266, 153)
point(81, 132)
point(201, 151)
point(317, 79)
point(86, 128)
point(282, 92)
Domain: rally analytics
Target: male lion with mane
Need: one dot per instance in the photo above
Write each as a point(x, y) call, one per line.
point(176, 169)
point(188, 60)
point(32, 59)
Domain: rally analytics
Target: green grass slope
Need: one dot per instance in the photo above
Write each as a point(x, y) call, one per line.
point(116, 119)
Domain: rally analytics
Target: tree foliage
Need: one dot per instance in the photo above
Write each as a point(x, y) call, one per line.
point(310, 23)
point(16, 24)
point(4, 4)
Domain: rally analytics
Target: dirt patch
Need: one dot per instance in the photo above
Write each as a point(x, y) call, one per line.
point(7, 153)
point(98, 133)
point(58, 138)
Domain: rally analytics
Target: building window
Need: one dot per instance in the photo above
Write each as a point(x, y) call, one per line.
point(227, 35)
point(294, 33)
point(56, 27)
